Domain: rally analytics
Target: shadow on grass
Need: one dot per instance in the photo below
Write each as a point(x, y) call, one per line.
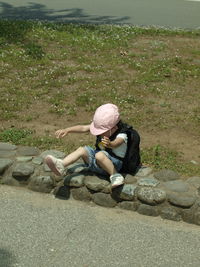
point(6, 258)
point(35, 11)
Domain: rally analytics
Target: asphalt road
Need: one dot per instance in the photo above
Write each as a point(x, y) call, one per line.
point(37, 230)
point(164, 13)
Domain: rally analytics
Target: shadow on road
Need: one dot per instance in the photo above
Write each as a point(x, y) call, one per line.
point(6, 258)
point(36, 11)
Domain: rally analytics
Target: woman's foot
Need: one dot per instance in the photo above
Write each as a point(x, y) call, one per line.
point(56, 165)
point(116, 180)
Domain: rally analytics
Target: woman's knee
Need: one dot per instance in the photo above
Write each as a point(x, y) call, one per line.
point(83, 153)
point(100, 156)
point(80, 149)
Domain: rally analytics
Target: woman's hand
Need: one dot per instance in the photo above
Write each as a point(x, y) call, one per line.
point(106, 142)
point(112, 144)
point(74, 129)
point(61, 133)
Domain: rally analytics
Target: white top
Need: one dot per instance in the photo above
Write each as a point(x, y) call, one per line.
point(120, 151)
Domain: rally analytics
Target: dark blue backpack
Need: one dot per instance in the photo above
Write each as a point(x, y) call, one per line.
point(132, 160)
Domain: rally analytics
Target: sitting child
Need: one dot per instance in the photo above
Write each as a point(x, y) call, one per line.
point(111, 146)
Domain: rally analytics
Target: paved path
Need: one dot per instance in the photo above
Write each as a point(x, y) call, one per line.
point(167, 13)
point(37, 230)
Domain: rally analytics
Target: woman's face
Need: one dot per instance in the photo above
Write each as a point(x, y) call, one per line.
point(110, 132)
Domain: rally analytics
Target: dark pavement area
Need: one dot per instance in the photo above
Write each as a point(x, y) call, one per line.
point(161, 13)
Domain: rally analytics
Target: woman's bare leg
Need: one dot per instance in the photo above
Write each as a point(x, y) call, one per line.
point(74, 156)
point(58, 165)
point(105, 163)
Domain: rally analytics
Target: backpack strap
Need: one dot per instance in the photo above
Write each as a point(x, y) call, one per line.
point(123, 128)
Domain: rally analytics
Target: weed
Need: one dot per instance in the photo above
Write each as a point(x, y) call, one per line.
point(161, 157)
point(43, 142)
point(152, 74)
point(14, 31)
point(14, 135)
point(34, 50)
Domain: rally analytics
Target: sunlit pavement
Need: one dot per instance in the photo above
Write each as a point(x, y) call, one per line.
point(39, 230)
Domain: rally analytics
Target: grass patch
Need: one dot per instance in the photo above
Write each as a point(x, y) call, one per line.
point(164, 158)
point(26, 137)
point(152, 74)
point(14, 135)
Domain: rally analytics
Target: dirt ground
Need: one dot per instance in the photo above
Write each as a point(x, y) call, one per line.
point(47, 123)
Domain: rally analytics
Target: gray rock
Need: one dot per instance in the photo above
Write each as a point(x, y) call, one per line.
point(181, 199)
point(61, 191)
point(130, 179)
point(28, 151)
point(187, 215)
point(197, 203)
point(166, 175)
point(128, 192)
point(144, 171)
point(7, 154)
point(151, 195)
point(5, 164)
point(81, 193)
point(129, 205)
point(24, 159)
point(107, 189)
point(198, 190)
point(74, 180)
point(194, 181)
point(96, 184)
point(148, 210)
point(77, 167)
point(55, 153)
point(197, 217)
point(152, 182)
point(8, 180)
point(104, 200)
point(170, 213)
point(7, 146)
point(22, 171)
point(138, 191)
point(57, 179)
point(41, 183)
point(46, 168)
point(37, 160)
point(177, 186)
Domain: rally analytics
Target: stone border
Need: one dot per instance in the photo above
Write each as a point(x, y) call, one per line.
point(163, 193)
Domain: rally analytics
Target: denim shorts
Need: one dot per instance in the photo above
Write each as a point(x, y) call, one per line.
point(93, 167)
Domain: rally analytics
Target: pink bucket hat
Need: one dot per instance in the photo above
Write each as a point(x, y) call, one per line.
point(105, 118)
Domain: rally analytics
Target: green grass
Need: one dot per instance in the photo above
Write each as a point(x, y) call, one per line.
point(152, 74)
point(14, 135)
point(26, 137)
point(164, 158)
